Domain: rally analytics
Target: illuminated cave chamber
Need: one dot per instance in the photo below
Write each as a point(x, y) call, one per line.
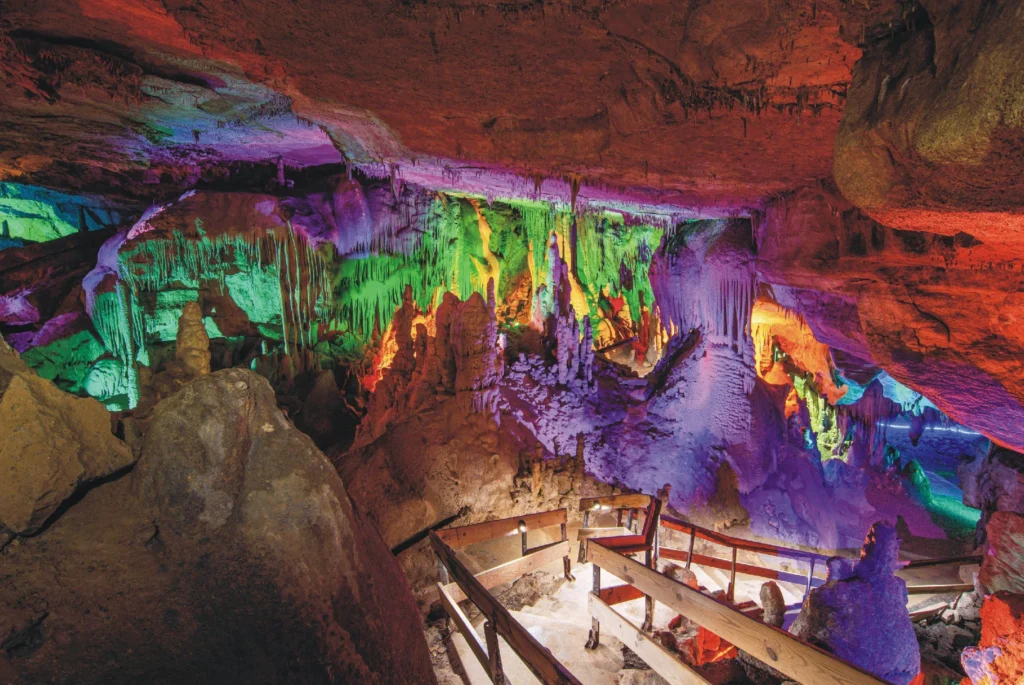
point(707, 377)
point(548, 348)
point(297, 302)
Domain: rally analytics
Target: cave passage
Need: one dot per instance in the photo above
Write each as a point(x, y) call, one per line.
point(561, 341)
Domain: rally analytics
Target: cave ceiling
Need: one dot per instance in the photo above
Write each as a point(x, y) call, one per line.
point(693, 104)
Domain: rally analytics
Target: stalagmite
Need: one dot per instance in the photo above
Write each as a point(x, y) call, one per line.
point(193, 344)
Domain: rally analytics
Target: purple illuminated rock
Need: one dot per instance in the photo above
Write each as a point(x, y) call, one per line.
point(860, 614)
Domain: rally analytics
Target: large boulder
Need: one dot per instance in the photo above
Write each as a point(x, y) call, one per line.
point(50, 445)
point(860, 613)
point(230, 481)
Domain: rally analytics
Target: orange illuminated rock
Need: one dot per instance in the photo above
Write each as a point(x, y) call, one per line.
point(999, 657)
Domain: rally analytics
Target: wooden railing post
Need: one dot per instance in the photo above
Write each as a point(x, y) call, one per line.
point(595, 626)
point(491, 636)
point(648, 625)
point(566, 562)
point(689, 554)
point(732, 577)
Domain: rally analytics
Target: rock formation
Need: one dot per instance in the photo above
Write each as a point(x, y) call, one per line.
point(929, 133)
point(51, 444)
point(790, 228)
point(773, 604)
point(1001, 568)
point(999, 657)
point(193, 344)
point(231, 553)
point(220, 463)
point(860, 613)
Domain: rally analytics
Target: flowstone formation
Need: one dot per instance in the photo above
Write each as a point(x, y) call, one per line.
point(860, 613)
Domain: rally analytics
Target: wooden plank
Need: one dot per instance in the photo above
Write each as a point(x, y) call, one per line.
point(634, 501)
point(776, 648)
point(928, 612)
point(619, 594)
point(739, 543)
point(476, 645)
point(537, 658)
point(747, 569)
point(666, 664)
point(939, 589)
point(488, 530)
point(587, 533)
point(514, 569)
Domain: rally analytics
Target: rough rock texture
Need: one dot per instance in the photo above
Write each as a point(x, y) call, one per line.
point(50, 445)
point(999, 657)
point(943, 637)
point(932, 131)
point(462, 359)
point(242, 561)
point(728, 87)
point(193, 344)
point(773, 604)
point(1002, 569)
point(860, 613)
point(993, 482)
point(895, 299)
point(221, 464)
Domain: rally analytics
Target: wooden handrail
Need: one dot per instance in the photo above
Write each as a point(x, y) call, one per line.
point(780, 650)
point(464, 536)
point(942, 561)
point(512, 570)
point(654, 655)
point(746, 569)
point(739, 543)
point(537, 657)
point(606, 502)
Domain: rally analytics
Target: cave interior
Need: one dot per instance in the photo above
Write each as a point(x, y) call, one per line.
point(550, 341)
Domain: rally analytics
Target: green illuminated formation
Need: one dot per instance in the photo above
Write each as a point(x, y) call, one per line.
point(30, 214)
point(66, 361)
point(616, 257)
point(829, 441)
point(464, 243)
point(277, 280)
point(311, 303)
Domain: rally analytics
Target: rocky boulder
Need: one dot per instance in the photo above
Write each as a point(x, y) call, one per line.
point(931, 132)
point(228, 478)
point(1002, 569)
point(999, 657)
point(860, 613)
point(50, 445)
